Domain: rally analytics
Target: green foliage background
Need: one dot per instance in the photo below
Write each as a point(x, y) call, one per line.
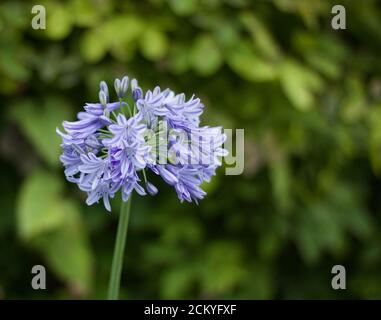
point(308, 97)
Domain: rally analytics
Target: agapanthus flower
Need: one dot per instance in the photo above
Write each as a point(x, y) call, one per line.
point(114, 145)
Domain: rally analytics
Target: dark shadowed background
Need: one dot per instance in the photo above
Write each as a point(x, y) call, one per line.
point(308, 97)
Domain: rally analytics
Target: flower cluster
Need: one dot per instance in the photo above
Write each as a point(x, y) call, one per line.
point(112, 145)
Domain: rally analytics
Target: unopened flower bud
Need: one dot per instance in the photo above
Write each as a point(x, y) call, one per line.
point(137, 94)
point(121, 86)
point(124, 84)
point(104, 88)
point(134, 84)
point(152, 190)
point(117, 86)
point(103, 98)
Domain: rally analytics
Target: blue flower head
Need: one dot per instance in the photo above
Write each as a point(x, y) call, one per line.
point(112, 146)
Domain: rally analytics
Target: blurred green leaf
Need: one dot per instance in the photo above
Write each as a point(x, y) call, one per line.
point(323, 52)
point(375, 138)
point(280, 178)
point(39, 123)
point(52, 225)
point(184, 7)
point(39, 205)
point(86, 12)
point(67, 250)
point(59, 21)
point(179, 58)
point(93, 47)
point(333, 216)
point(12, 65)
point(261, 36)
point(353, 105)
point(128, 29)
point(299, 84)
point(222, 268)
point(153, 44)
point(177, 281)
point(308, 11)
point(249, 65)
point(259, 282)
point(205, 46)
point(13, 13)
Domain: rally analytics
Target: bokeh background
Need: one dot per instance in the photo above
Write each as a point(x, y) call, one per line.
point(308, 97)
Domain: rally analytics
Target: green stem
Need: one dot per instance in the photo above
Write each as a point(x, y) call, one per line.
point(117, 261)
